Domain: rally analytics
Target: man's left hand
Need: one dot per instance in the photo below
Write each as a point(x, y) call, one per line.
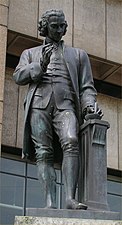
point(93, 111)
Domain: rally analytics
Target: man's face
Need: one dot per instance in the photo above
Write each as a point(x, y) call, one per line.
point(56, 27)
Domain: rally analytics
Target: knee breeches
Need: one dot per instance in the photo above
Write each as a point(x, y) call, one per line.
point(65, 125)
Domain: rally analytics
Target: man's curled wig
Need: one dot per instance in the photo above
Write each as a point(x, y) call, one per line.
point(43, 23)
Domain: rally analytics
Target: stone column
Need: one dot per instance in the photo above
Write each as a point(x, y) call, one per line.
point(4, 4)
point(93, 176)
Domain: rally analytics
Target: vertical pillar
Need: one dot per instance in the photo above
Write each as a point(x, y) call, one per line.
point(93, 175)
point(4, 4)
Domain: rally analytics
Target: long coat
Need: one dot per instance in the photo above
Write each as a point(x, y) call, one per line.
point(29, 72)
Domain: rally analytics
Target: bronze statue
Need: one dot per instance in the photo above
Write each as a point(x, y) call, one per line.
point(61, 93)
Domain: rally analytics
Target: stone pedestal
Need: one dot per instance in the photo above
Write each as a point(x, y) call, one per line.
point(38, 216)
point(21, 220)
point(93, 176)
point(76, 214)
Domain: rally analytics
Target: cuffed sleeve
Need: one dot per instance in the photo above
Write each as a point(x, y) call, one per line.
point(87, 90)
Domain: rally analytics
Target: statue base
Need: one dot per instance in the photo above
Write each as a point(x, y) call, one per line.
point(77, 214)
point(39, 216)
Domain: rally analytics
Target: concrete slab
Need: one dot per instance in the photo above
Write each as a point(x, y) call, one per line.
point(109, 107)
point(20, 128)
point(3, 15)
point(1, 111)
point(10, 111)
point(114, 30)
point(23, 16)
point(89, 26)
point(3, 39)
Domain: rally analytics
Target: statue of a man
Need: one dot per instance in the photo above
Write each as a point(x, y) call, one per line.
point(61, 92)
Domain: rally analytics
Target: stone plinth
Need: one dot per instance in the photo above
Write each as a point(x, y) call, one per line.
point(77, 214)
point(93, 153)
point(21, 220)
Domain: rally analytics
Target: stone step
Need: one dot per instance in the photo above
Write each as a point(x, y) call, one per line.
point(31, 220)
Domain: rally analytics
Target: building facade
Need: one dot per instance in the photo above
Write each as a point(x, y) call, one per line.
point(96, 27)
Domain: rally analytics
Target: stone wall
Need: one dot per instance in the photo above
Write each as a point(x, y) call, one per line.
point(112, 109)
point(3, 40)
point(94, 25)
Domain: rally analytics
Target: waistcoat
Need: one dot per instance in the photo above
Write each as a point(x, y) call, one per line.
point(56, 80)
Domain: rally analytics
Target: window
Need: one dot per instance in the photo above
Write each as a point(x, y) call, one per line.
point(115, 194)
point(12, 190)
point(20, 189)
point(11, 199)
